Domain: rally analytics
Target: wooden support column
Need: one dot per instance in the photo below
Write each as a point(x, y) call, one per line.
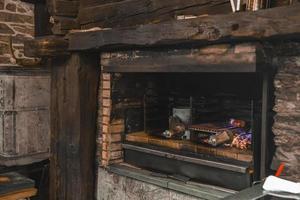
point(73, 126)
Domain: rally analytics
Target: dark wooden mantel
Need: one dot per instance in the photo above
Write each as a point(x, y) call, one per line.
point(265, 25)
point(268, 24)
point(220, 58)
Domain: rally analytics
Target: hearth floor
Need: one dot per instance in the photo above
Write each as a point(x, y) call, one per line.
point(185, 145)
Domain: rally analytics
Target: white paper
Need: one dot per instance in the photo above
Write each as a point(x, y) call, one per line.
point(276, 184)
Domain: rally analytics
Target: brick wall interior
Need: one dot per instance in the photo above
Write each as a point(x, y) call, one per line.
point(16, 25)
point(110, 127)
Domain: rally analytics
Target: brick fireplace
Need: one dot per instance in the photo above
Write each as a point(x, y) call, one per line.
point(139, 89)
point(120, 134)
point(258, 60)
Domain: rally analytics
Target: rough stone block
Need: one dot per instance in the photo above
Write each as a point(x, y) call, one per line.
point(5, 59)
point(16, 18)
point(24, 29)
point(4, 48)
point(1, 4)
point(4, 29)
point(20, 9)
point(11, 7)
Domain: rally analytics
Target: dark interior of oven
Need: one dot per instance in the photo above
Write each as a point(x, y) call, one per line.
point(227, 101)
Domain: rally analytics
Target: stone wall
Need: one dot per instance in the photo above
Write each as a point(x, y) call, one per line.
point(286, 126)
point(115, 187)
point(16, 25)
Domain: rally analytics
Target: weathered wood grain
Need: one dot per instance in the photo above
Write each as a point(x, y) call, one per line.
point(133, 12)
point(24, 116)
point(216, 58)
point(48, 46)
point(63, 15)
point(22, 194)
point(66, 8)
point(62, 25)
point(73, 127)
point(273, 23)
point(87, 3)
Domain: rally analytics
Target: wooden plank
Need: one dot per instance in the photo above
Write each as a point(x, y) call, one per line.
point(87, 3)
point(62, 25)
point(13, 182)
point(133, 12)
point(48, 46)
point(34, 1)
point(21, 194)
point(42, 25)
point(73, 126)
point(192, 60)
point(66, 8)
point(233, 153)
point(272, 23)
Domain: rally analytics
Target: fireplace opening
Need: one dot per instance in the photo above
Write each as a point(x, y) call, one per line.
point(204, 127)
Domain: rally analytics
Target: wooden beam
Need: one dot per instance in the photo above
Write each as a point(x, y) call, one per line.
point(87, 3)
point(48, 46)
point(244, 26)
point(62, 25)
point(34, 1)
point(74, 87)
point(65, 8)
point(132, 12)
point(215, 58)
point(42, 25)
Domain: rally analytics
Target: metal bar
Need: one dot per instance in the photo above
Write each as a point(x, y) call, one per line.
point(219, 165)
point(264, 125)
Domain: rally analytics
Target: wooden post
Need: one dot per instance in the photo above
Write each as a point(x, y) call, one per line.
point(73, 126)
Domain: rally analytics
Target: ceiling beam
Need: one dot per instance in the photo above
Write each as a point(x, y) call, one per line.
point(261, 25)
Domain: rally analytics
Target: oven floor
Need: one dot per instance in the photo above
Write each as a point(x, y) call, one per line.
point(226, 152)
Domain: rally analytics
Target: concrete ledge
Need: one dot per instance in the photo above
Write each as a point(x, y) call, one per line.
point(191, 188)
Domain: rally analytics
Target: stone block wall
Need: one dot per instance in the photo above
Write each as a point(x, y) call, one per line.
point(286, 126)
point(16, 25)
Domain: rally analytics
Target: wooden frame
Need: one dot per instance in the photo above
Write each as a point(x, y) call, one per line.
point(73, 126)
